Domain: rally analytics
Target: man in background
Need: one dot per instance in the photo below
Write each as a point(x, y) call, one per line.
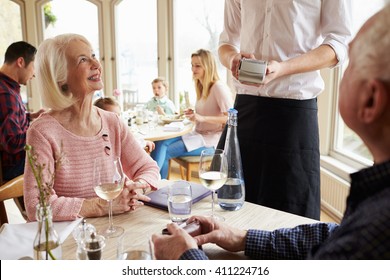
point(18, 69)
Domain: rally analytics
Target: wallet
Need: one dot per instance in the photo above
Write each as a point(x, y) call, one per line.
point(252, 71)
point(192, 229)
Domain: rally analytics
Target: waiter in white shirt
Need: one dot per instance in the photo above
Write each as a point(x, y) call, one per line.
point(277, 120)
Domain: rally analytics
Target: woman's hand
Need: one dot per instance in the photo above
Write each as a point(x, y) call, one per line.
point(131, 197)
point(137, 191)
point(189, 114)
point(192, 116)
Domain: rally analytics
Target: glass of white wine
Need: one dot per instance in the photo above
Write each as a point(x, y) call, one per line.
point(213, 168)
point(108, 184)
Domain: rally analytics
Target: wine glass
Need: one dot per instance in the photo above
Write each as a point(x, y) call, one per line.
point(108, 184)
point(135, 245)
point(213, 168)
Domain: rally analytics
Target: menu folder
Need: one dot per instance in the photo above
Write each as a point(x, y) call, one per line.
point(159, 198)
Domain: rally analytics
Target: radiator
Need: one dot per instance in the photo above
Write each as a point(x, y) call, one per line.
point(334, 192)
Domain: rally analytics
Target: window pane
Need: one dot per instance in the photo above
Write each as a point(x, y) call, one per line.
point(10, 32)
point(136, 40)
point(347, 142)
point(10, 28)
point(197, 24)
point(59, 18)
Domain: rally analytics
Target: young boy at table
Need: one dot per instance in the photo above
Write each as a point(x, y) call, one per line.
point(363, 233)
point(160, 101)
point(110, 104)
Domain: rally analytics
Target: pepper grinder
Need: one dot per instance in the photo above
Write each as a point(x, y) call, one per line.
point(94, 246)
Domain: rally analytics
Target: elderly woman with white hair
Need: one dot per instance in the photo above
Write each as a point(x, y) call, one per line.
point(68, 75)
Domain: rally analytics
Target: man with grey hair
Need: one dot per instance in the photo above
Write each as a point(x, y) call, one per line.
point(364, 232)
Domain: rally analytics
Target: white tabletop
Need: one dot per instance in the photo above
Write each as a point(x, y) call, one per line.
point(158, 133)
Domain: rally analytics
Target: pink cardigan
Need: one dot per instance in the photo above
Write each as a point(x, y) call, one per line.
point(74, 178)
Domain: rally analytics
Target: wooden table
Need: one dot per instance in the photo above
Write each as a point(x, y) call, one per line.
point(152, 220)
point(158, 133)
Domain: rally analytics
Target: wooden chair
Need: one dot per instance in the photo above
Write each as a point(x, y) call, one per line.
point(130, 99)
point(10, 189)
point(189, 163)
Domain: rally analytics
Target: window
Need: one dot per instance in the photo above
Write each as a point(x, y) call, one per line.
point(11, 26)
point(10, 32)
point(136, 40)
point(347, 145)
point(197, 24)
point(58, 18)
point(62, 16)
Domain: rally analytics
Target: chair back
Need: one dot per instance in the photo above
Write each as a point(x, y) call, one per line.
point(9, 190)
point(130, 99)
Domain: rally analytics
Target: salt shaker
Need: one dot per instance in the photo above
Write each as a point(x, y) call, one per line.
point(79, 234)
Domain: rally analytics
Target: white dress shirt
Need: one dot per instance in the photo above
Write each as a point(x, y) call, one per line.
point(282, 29)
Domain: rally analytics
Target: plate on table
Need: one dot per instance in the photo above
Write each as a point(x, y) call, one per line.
point(169, 119)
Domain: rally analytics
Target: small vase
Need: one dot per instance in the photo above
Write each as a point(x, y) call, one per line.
point(47, 245)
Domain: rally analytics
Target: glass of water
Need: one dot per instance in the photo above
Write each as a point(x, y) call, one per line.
point(179, 201)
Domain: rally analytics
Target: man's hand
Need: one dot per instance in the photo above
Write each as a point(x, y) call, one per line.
point(226, 237)
point(171, 247)
point(35, 115)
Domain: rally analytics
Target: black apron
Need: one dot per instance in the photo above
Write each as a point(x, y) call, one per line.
point(279, 143)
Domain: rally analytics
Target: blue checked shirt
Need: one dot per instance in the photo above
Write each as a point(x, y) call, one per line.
point(13, 122)
point(364, 232)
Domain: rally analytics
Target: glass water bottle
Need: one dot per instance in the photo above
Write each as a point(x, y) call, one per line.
point(232, 195)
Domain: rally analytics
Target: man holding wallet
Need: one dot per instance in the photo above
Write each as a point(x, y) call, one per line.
point(277, 116)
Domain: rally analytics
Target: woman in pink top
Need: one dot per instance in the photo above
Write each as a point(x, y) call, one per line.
point(213, 99)
point(68, 75)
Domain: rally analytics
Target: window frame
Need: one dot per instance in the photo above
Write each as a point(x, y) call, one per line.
point(339, 162)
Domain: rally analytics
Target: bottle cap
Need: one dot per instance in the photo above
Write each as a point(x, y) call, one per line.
point(232, 111)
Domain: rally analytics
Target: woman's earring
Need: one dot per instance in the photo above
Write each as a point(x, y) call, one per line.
point(64, 87)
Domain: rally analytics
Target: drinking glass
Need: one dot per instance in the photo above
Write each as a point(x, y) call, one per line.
point(179, 201)
point(108, 184)
point(153, 119)
point(134, 245)
point(213, 168)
